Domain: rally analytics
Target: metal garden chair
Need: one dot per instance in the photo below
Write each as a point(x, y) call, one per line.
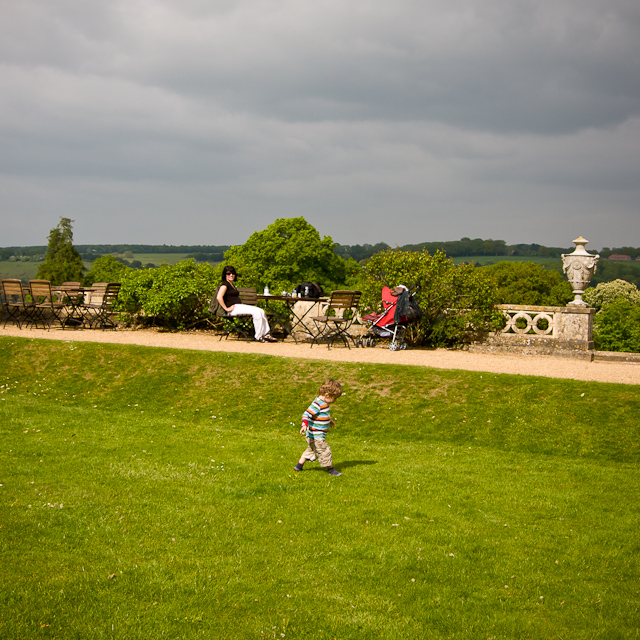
point(339, 316)
point(241, 325)
point(99, 310)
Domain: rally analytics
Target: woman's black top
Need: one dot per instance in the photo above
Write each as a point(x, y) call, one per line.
point(231, 295)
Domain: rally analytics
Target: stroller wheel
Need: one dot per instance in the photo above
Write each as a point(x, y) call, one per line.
point(403, 346)
point(373, 342)
point(358, 342)
point(393, 346)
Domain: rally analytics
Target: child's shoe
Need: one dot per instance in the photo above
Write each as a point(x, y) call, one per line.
point(333, 472)
point(298, 467)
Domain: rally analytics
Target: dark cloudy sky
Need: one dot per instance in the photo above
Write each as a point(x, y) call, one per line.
point(201, 121)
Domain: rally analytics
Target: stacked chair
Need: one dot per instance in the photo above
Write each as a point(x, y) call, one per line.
point(70, 305)
point(17, 304)
point(45, 305)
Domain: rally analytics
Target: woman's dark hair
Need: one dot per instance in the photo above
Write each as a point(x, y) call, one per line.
point(227, 270)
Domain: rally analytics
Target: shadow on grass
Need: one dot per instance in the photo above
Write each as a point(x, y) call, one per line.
point(344, 465)
point(355, 463)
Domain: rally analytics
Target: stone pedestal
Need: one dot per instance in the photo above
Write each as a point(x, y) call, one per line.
point(575, 328)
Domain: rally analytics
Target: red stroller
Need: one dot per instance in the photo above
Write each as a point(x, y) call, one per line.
point(389, 324)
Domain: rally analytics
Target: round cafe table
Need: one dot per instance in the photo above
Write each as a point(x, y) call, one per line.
point(294, 319)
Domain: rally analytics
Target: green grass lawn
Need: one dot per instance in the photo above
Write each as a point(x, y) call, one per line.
point(149, 493)
point(26, 271)
point(158, 258)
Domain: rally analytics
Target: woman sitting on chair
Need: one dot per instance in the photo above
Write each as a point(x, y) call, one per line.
point(229, 298)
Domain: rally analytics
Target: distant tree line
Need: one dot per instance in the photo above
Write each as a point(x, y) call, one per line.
point(151, 248)
point(89, 252)
point(7, 253)
point(359, 252)
point(632, 252)
point(465, 247)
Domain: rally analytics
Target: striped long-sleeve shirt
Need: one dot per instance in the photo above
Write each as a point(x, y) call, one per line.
point(317, 419)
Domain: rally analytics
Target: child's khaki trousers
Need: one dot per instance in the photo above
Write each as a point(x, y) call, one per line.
point(318, 449)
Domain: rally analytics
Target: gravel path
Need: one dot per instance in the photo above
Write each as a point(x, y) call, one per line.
point(548, 366)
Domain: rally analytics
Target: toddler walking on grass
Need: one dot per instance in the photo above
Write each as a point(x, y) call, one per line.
point(315, 424)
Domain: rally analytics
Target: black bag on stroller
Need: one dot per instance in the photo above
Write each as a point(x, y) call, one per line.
point(407, 309)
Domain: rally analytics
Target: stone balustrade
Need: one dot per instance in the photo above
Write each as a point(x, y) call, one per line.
point(565, 331)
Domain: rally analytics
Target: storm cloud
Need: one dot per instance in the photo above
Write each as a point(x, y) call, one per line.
point(193, 122)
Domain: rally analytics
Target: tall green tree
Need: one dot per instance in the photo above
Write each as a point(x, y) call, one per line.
point(62, 262)
point(288, 252)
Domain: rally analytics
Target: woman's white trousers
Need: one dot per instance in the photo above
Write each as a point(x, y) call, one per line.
point(260, 322)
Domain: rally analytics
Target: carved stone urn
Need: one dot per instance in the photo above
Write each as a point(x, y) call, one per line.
point(579, 267)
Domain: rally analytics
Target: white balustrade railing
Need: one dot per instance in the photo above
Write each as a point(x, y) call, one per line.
point(528, 321)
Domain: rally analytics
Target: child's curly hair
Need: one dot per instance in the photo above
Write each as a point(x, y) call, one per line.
point(331, 389)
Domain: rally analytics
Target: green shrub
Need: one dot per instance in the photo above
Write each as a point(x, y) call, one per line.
point(607, 292)
point(457, 301)
point(133, 293)
point(171, 296)
point(616, 327)
point(528, 283)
